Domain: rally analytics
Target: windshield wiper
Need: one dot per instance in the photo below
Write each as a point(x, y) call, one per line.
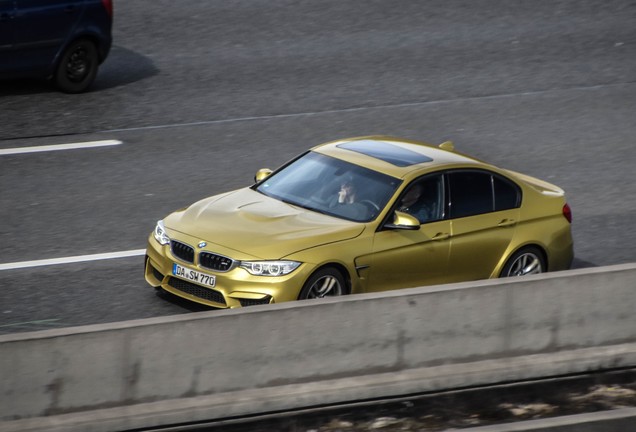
point(306, 207)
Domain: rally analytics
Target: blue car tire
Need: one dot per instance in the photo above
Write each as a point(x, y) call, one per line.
point(77, 67)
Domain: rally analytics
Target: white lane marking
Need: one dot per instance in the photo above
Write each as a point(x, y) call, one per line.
point(47, 322)
point(368, 108)
point(57, 147)
point(73, 259)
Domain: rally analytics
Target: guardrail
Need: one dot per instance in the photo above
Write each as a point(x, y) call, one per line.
point(219, 364)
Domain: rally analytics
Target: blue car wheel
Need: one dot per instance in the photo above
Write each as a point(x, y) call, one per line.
point(78, 66)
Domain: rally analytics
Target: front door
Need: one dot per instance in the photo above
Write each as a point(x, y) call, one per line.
point(410, 258)
point(403, 258)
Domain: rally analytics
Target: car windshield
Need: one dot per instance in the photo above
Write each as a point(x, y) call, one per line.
point(331, 186)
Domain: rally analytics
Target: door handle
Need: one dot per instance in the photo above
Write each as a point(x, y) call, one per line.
point(441, 236)
point(507, 223)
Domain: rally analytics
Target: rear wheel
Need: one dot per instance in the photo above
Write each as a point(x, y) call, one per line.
point(327, 282)
point(526, 261)
point(78, 66)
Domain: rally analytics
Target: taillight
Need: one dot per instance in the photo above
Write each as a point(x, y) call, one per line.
point(567, 212)
point(108, 5)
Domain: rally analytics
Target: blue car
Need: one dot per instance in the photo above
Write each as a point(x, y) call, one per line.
point(61, 40)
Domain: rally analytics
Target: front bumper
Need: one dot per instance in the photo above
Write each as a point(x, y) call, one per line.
point(233, 289)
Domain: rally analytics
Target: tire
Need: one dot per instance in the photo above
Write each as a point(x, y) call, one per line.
point(326, 282)
point(78, 66)
point(525, 261)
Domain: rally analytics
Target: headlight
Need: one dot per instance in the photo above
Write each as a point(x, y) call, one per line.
point(160, 234)
point(269, 268)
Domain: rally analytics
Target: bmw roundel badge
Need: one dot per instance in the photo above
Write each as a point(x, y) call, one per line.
point(202, 244)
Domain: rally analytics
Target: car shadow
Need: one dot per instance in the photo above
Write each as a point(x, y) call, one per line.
point(123, 66)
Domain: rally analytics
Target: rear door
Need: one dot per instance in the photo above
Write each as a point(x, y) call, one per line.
point(484, 211)
point(42, 27)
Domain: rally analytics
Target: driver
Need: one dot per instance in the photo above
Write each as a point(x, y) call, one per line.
point(347, 193)
point(412, 203)
point(350, 202)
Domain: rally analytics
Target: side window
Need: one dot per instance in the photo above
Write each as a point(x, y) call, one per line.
point(471, 193)
point(507, 195)
point(424, 199)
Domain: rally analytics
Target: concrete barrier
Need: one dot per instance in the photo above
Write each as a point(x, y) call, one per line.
point(169, 370)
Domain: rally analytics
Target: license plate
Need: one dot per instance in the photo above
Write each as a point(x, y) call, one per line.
point(193, 275)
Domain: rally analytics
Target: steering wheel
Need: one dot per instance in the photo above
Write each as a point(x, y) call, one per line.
point(370, 203)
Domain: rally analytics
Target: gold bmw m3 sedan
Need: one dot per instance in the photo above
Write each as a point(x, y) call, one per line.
point(360, 215)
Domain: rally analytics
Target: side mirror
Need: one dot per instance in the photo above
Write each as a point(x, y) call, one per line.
point(404, 221)
point(262, 174)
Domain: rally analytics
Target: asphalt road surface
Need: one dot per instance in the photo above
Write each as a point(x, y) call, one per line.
point(202, 93)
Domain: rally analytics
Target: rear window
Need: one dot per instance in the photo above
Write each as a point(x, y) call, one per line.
point(470, 194)
point(507, 194)
point(478, 192)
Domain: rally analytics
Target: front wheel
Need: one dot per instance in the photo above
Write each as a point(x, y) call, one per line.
point(327, 282)
point(78, 66)
point(526, 261)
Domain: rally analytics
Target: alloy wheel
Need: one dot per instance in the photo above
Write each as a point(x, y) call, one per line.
point(526, 264)
point(325, 286)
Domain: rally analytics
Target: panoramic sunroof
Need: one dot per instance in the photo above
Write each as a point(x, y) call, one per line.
point(387, 152)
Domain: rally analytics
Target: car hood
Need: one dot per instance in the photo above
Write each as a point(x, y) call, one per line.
point(259, 226)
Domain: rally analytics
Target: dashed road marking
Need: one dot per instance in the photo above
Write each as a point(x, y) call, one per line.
point(58, 147)
point(45, 322)
point(73, 259)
